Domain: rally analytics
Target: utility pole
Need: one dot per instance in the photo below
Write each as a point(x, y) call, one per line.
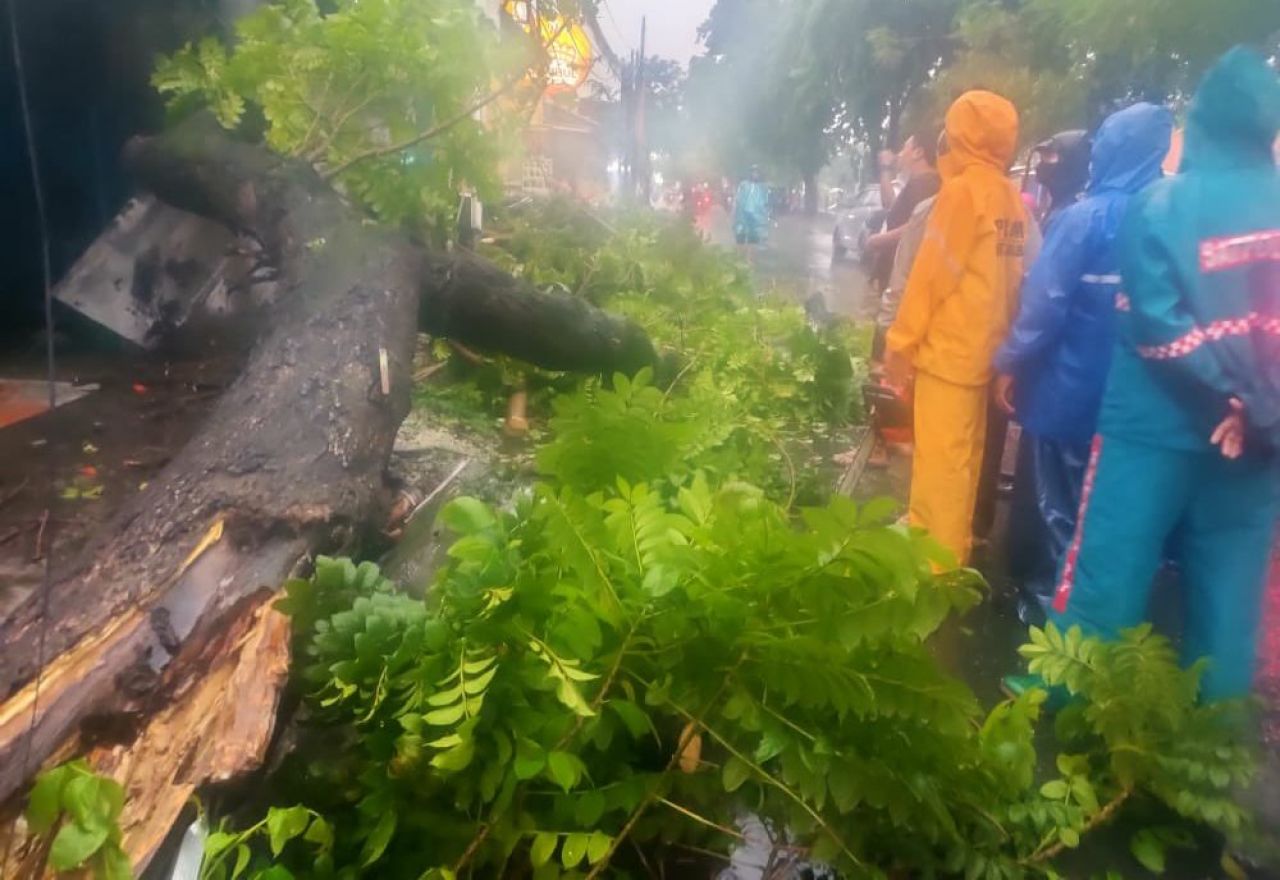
point(641, 165)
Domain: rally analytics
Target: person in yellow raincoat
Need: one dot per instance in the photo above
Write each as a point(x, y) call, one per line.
point(960, 299)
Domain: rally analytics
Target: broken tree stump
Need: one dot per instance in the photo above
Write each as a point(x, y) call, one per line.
point(289, 462)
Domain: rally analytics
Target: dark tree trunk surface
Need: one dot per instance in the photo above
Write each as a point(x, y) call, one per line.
point(290, 460)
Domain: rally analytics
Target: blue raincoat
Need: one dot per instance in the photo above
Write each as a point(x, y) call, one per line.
point(751, 212)
point(1059, 347)
point(1199, 326)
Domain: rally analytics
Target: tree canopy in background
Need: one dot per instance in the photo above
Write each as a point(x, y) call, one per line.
point(788, 82)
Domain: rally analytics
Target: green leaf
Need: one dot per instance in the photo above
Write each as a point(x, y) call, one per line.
point(457, 758)
point(568, 694)
point(113, 864)
point(376, 844)
point(530, 759)
point(573, 849)
point(564, 769)
point(45, 802)
point(735, 773)
point(284, 824)
point(598, 846)
point(1055, 790)
point(466, 515)
point(473, 548)
point(217, 842)
point(660, 580)
point(1148, 849)
point(320, 833)
point(589, 808)
point(275, 872)
point(243, 854)
point(93, 800)
point(636, 720)
point(74, 844)
point(1084, 795)
point(1069, 837)
point(446, 716)
point(543, 848)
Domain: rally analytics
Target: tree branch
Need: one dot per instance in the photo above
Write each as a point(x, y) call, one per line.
point(441, 128)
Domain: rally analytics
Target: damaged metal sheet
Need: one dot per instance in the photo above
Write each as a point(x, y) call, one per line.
point(153, 268)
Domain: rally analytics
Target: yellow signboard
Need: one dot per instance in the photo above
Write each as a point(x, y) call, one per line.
point(567, 45)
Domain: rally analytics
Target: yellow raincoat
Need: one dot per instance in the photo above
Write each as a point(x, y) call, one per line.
point(960, 299)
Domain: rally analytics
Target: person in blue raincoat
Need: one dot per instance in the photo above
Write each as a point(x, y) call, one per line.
point(751, 211)
point(1053, 365)
point(1187, 455)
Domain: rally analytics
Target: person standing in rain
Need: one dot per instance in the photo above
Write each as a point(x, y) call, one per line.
point(1054, 364)
point(917, 160)
point(751, 211)
point(1063, 169)
point(960, 298)
point(1189, 433)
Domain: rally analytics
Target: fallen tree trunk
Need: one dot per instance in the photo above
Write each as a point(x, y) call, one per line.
point(289, 462)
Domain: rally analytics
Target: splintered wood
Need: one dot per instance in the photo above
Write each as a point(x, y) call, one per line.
point(217, 727)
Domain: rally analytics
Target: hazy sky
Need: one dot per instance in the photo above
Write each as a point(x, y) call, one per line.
point(673, 26)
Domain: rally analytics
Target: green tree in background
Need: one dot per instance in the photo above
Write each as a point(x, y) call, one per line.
point(789, 82)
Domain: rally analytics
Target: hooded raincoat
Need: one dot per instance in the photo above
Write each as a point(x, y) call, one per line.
point(1059, 349)
point(1199, 322)
point(751, 212)
point(955, 312)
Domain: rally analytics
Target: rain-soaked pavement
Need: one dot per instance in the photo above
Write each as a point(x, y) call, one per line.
point(797, 260)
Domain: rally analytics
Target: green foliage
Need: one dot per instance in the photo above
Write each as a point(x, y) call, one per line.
point(756, 389)
point(1154, 49)
point(630, 431)
point(80, 810)
point(537, 708)
point(230, 855)
point(1139, 710)
point(786, 82)
point(580, 634)
point(331, 86)
point(1021, 53)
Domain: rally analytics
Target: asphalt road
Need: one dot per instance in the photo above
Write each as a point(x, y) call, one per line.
point(797, 260)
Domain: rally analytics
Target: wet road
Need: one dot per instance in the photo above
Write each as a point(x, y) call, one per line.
point(797, 261)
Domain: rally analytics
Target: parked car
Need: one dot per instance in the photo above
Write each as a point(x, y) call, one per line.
point(859, 217)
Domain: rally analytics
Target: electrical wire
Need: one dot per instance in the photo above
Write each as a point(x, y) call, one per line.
point(50, 373)
point(622, 37)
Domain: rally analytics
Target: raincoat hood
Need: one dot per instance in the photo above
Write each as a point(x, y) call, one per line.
point(1068, 177)
point(982, 129)
point(1129, 149)
point(1235, 115)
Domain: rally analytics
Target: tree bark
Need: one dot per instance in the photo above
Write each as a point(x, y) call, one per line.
point(289, 462)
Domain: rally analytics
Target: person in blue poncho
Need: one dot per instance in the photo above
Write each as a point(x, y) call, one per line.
point(1187, 454)
point(1053, 365)
point(751, 211)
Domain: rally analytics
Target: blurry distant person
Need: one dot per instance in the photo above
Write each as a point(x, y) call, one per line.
point(1187, 451)
point(917, 161)
point(1054, 364)
point(955, 312)
point(751, 212)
